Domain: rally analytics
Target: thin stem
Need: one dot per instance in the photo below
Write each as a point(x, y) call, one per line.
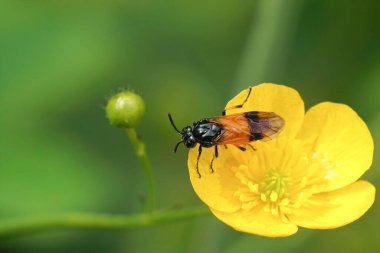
point(25, 226)
point(273, 28)
point(139, 148)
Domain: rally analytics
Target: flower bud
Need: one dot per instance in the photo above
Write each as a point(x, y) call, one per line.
point(125, 109)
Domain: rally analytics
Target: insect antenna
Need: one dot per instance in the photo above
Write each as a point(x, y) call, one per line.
point(176, 146)
point(171, 121)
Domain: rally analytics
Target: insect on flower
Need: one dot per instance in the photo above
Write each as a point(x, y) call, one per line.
point(308, 176)
point(238, 129)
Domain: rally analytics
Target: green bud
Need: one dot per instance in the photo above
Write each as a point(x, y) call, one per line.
point(125, 109)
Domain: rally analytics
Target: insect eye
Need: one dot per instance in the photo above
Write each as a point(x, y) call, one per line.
point(190, 142)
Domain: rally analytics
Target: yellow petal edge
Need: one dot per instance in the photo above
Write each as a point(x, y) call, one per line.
point(340, 140)
point(259, 223)
point(337, 208)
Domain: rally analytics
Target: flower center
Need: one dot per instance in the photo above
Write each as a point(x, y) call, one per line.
point(278, 184)
point(272, 192)
point(275, 186)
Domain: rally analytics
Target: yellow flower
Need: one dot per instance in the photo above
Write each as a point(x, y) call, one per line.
point(306, 176)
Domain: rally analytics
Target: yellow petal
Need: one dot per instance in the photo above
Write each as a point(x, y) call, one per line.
point(339, 140)
point(215, 189)
point(267, 97)
point(257, 222)
point(336, 208)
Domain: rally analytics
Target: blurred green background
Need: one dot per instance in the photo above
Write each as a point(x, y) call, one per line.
point(60, 60)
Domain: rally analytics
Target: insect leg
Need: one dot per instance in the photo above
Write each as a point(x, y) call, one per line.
point(241, 148)
point(238, 106)
point(251, 147)
point(199, 155)
point(212, 161)
point(211, 167)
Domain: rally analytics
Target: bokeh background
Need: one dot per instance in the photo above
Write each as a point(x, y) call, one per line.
point(60, 60)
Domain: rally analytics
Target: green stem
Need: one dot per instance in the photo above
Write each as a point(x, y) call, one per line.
point(25, 226)
point(273, 28)
point(139, 148)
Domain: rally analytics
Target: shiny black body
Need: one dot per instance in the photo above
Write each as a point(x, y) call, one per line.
point(204, 132)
